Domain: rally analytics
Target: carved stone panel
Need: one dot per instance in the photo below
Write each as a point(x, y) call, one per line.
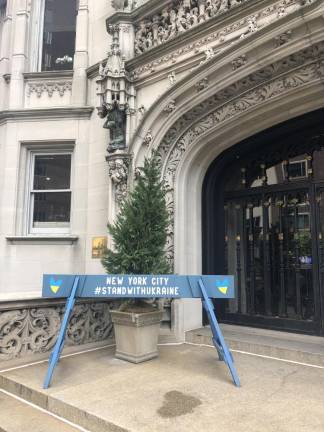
point(33, 329)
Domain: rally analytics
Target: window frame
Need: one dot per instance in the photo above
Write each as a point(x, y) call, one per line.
point(37, 37)
point(30, 193)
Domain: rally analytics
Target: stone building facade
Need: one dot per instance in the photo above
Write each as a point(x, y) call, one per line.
point(219, 87)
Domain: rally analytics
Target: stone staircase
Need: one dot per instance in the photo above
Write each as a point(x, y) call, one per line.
point(286, 346)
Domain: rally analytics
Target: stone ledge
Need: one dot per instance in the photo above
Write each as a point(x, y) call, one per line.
point(47, 240)
point(46, 113)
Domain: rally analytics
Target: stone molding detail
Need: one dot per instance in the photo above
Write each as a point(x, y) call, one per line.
point(263, 85)
point(176, 19)
point(209, 54)
point(172, 78)
point(239, 62)
point(283, 38)
point(202, 84)
point(34, 329)
point(232, 33)
point(118, 168)
point(48, 87)
point(148, 138)
point(170, 106)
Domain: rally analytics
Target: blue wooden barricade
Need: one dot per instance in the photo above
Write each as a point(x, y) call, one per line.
point(205, 287)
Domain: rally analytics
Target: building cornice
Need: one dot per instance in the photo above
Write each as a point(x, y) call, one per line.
point(46, 113)
point(147, 9)
point(64, 74)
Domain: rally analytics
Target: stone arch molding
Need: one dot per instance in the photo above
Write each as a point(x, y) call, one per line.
point(265, 79)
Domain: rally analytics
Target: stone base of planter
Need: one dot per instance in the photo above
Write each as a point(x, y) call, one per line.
point(136, 335)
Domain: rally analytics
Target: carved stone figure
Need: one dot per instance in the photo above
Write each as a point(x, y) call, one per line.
point(116, 123)
point(172, 78)
point(118, 172)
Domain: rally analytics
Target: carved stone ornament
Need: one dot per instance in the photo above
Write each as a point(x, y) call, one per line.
point(252, 26)
point(239, 62)
point(177, 18)
point(49, 87)
point(116, 123)
point(142, 110)
point(202, 85)
point(172, 78)
point(148, 138)
point(283, 38)
point(118, 166)
point(116, 93)
point(33, 329)
point(209, 54)
point(230, 34)
point(271, 82)
point(170, 106)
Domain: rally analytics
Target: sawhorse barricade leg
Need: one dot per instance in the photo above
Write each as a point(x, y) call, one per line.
point(58, 347)
point(224, 353)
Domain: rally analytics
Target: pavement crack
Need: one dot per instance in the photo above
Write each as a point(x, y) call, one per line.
point(282, 383)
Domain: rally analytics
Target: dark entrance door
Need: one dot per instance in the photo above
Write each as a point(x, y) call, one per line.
point(267, 225)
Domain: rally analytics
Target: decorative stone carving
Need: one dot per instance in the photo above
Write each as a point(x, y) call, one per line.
point(148, 138)
point(202, 84)
point(34, 329)
point(119, 4)
point(116, 94)
point(252, 26)
point(48, 87)
point(177, 18)
point(142, 110)
point(7, 78)
point(209, 54)
point(116, 123)
point(231, 33)
point(239, 62)
point(118, 165)
point(283, 38)
point(172, 78)
point(281, 9)
point(170, 106)
point(271, 82)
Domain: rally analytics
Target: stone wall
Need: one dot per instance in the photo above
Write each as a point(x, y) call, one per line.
point(31, 327)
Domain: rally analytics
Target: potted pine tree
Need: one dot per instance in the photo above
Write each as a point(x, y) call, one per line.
point(139, 236)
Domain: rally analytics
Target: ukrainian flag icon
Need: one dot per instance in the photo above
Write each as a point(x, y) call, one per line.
point(55, 285)
point(222, 286)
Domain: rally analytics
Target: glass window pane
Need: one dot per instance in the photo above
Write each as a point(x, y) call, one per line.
point(51, 207)
point(52, 172)
point(59, 34)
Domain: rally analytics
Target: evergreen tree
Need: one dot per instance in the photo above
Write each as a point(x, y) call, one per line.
point(140, 230)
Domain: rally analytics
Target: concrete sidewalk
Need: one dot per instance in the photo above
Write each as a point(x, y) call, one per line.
point(185, 389)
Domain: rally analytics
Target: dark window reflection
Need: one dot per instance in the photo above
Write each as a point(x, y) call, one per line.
point(51, 190)
point(52, 172)
point(59, 34)
point(51, 207)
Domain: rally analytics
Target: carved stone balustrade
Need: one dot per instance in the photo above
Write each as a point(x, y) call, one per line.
point(31, 326)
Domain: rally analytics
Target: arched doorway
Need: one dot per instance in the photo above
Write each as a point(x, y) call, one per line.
point(263, 221)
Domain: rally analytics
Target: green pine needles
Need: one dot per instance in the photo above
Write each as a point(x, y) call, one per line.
point(140, 230)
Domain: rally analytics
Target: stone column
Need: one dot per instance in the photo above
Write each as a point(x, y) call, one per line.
point(79, 86)
point(5, 53)
point(18, 63)
point(126, 39)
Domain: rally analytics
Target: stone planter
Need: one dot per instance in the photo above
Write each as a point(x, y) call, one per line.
point(136, 335)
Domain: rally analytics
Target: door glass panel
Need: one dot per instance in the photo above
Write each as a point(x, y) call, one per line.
point(269, 249)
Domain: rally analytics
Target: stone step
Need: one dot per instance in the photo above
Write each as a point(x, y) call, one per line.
point(17, 416)
point(286, 346)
